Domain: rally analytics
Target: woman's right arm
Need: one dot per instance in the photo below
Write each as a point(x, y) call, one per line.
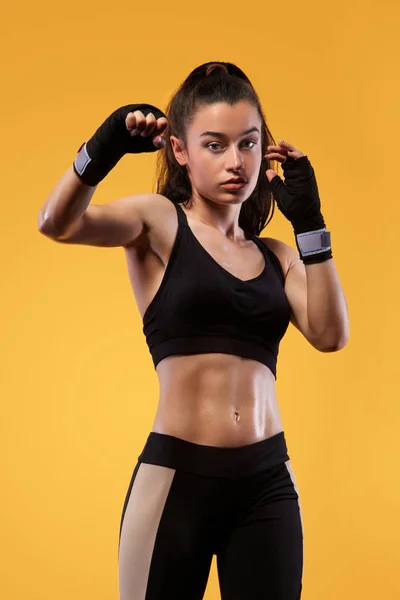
point(67, 215)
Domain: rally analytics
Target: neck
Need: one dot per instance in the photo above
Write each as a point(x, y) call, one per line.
point(223, 218)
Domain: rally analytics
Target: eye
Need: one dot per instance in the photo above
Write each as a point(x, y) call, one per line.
point(217, 144)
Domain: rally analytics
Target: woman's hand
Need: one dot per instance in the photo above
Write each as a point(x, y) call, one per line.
point(137, 124)
point(298, 200)
point(297, 195)
point(281, 153)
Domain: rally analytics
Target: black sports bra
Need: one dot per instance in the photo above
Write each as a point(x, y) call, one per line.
point(201, 307)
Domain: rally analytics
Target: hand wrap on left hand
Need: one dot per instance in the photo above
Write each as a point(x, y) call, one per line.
point(298, 199)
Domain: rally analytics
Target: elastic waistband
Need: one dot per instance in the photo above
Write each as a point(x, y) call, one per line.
point(196, 344)
point(214, 461)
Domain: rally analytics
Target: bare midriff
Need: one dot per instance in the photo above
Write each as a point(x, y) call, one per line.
point(216, 399)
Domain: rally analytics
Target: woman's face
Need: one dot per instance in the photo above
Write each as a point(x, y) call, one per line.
point(212, 159)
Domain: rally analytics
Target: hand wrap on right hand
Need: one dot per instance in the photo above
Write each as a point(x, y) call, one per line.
point(110, 142)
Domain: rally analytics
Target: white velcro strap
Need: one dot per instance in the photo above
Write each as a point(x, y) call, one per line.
point(82, 160)
point(314, 242)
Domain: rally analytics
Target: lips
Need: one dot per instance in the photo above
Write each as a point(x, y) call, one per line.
point(234, 185)
point(234, 180)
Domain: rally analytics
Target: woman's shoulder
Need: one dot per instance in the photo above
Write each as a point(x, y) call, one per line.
point(158, 211)
point(285, 253)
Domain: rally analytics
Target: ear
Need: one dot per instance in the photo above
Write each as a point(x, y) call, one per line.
point(178, 148)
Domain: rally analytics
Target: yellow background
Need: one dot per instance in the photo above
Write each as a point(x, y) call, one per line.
point(78, 388)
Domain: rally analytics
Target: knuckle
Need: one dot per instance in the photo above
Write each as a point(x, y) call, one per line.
point(148, 124)
point(140, 119)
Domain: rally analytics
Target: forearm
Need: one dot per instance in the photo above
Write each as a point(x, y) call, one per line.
point(66, 203)
point(326, 305)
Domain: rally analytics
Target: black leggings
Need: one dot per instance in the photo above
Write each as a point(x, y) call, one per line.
point(187, 502)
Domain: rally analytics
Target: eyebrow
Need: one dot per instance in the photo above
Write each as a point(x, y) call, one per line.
point(222, 135)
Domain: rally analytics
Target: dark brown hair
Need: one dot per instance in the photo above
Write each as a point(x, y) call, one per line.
point(209, 83)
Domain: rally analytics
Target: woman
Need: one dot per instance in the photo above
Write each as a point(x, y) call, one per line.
point(214, 476)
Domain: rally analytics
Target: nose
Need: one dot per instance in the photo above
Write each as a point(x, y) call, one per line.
point(234, 159)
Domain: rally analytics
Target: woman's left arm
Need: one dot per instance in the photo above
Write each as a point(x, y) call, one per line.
point(312, 282)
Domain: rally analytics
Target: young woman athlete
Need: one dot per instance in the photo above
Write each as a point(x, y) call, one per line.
point(214, 476)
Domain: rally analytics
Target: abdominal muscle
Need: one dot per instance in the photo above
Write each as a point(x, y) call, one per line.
point(217, 400)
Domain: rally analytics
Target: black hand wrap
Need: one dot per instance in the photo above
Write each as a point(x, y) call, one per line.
point(110, 142)
point(298, 200)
